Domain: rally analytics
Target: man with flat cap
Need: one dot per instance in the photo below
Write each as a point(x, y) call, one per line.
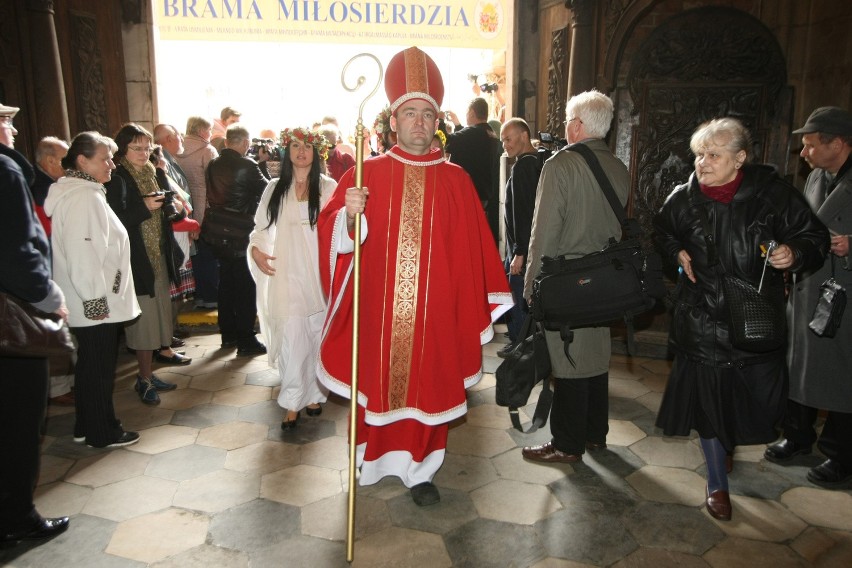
point(24, 274)
point(820, 366)
point(431, 285)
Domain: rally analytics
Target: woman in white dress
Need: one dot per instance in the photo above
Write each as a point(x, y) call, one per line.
point(290, 302)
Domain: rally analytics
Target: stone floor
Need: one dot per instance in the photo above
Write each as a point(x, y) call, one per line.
point(214, 482)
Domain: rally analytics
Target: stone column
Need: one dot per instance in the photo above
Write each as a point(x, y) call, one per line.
point(581, 67)
point(51, 112)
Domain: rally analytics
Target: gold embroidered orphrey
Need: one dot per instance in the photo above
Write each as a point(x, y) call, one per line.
point(405, 297)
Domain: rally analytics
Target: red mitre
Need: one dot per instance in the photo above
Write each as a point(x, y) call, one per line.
point(411, 74)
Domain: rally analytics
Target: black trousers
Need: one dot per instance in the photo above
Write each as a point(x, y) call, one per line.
point(23, 383)
point(580, 413)
point(836, 438)
point(237, 301)
point(94, 382)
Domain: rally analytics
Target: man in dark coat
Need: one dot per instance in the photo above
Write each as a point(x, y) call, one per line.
point(236, 182)
point(477, 149)
point(520, 206)
point(24, 274)
point(819, 366)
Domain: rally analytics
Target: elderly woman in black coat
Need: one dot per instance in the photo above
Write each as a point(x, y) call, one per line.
point(136, 196)
point(731, 396)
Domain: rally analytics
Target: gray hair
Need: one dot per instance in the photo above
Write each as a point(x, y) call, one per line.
point(595, 109)
point(47, 147)
point(726, 132)
point(236, 134)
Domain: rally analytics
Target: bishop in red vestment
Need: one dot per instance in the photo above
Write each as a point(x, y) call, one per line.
point(431, 285)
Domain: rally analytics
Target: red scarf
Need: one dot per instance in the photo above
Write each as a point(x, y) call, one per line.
point(723, 193)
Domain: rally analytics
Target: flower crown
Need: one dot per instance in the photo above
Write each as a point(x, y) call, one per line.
point(442, 137)
point(308, 137)
point(382, 123)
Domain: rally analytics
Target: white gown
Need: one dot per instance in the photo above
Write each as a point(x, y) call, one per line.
point(291, 305)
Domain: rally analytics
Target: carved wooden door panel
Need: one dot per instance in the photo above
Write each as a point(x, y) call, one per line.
point(91, 51)
point(554, 50)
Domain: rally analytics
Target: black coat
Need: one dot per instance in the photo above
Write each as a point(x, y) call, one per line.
point(520, 203)
point(764, 208)
point(127, 203)
point(474, 148)
point(235, 182)
point(24, 250)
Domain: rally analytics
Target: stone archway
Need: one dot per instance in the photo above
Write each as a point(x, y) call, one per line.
point(701, 64)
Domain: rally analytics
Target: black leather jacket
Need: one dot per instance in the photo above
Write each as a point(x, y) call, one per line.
point(235, 182)
point(764, 208)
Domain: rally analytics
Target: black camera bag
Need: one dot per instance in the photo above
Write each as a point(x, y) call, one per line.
point(227, 232)
point(618, 282)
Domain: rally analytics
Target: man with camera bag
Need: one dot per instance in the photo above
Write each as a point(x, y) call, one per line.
point(819, 365)
point(234, 186)
point(573, 217)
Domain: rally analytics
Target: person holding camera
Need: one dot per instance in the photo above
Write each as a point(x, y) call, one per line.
point(147, 210)
point(234, 186)
point(477, 149)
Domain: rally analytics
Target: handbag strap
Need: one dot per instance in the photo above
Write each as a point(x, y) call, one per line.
point(603, 181)
point(545, 397)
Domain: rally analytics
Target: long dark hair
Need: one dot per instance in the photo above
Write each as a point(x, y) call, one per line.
point(283, 186)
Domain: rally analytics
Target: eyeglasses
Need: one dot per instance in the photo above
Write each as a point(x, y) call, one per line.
point(6, 120)
point(146, 149)
point(571, 120)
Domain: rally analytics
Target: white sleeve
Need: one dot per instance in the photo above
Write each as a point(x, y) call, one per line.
point(345, 244)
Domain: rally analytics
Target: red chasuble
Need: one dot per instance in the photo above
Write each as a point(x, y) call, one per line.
point(431, 284)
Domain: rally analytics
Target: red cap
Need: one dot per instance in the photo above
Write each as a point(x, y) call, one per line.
point(411, 74)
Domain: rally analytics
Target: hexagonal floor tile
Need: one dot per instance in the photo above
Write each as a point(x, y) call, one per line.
point(164, 438)
point(232, 435)
point(327, 518)
point(759, 519)
point(623, 433)
point(742, 553)
point(514, 502)
point(130, 498)
point(159, 535)
point(668, 485)
point(186, 463)
point(182, 399)
point(668, 452)
point(61, 499)
point(824, 547)
point(254, 525)
point(465, 472)
point(217, 491)
point(263, 457)
point(401, 548)
point(820, 507)
point(108, 467)
point(217, 381)
point(242, 395)
point(301, 484)
point(475, 441)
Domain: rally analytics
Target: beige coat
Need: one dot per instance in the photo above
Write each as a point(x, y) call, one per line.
point(573, 217)
point(197, 153)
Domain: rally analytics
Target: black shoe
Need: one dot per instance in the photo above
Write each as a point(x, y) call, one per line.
point(256, 348)
point(36, 528)
point(313, 411)
point(784, 451)
point(290, 424)
point(829, 474)
point(504, 352)
point(177, 342)
point(126, 439)
point(425, 494)
point(229, 343)
point(176, 359)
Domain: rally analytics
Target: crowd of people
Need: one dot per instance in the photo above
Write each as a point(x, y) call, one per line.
point(142, 222)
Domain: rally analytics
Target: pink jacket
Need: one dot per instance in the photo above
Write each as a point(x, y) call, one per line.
point(197, 153)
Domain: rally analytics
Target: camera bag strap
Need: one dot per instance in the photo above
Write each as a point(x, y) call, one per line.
point(612, 199)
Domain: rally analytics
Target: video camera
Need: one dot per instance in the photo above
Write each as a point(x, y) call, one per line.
point(267, 143)
point(488, 87)
point(554, 143)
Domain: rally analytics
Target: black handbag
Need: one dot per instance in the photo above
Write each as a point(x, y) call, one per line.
point(227, 231)
point(522, 369)
point(829, 308)
point(26, 331)
point(756, 317)
point(618, 282)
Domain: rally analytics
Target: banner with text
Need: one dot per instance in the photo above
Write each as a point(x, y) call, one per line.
point(444, 23)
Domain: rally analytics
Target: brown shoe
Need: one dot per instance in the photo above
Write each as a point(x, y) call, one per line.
point(546, 453)
point(595, 447)
point(719, 505)
point(66, 399)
